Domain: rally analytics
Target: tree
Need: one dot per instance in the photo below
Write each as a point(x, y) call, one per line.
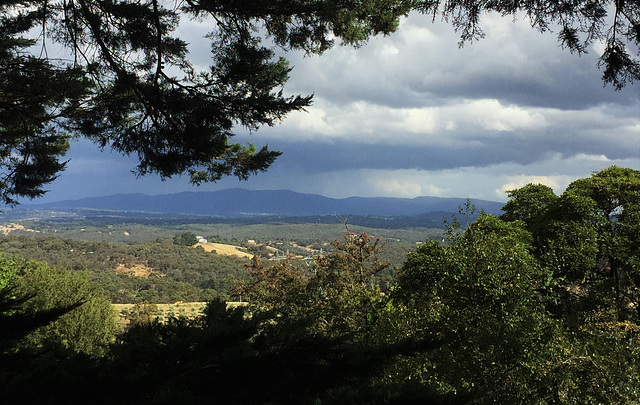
point(587, 240)
point(54, 328)
point(87, 324)
point(528, 203)
point(185, 239)
point(34, 94)
point(143, 313)
point(15, 324)
point(349, 301)
point(589, 237)
point(331, 324)
point(127, 82)
point(526, 307)
point(478, 296)
point(336, 298)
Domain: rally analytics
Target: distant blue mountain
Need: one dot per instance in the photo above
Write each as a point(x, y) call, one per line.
point(231, 203)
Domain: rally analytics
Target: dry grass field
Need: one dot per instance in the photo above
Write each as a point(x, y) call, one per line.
point(8, 228)
point(222, 249)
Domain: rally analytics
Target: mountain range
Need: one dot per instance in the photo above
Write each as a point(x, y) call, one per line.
point(234, 203)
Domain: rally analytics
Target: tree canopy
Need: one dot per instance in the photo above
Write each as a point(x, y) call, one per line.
point(538, 306)
point(126, 81)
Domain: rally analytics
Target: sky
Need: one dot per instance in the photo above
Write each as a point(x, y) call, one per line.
point(412, 114)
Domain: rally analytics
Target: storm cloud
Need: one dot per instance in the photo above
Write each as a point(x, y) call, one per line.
point(413, 114)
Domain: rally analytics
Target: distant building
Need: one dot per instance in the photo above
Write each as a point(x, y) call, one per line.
point(201, 239)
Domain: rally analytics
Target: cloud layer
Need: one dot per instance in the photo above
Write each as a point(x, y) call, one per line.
point(412, 114)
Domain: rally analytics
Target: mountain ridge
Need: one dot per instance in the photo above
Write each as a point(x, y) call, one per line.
point(239, 202)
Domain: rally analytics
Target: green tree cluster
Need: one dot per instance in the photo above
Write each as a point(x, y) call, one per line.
point(538, 306)
point(85, 321)
point(185, 239)
point(52, 322)
point(479, 297)
point(334, 298)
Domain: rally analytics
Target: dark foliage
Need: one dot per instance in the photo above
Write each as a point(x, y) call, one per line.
point(185, 239)
point(14, 325)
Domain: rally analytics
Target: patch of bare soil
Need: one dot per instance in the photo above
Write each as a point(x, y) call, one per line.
point(136, 270)
point(8, 228)
point(305, 248)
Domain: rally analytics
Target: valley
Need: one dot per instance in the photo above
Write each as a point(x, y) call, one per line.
point(134, 259)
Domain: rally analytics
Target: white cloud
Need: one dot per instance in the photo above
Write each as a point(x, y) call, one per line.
point(583, 157)
point(368, 123)
point(402, 186)
point(418, 120)
point(557, 183)
point(492, 115)
point(396, 187)
point(487, 183)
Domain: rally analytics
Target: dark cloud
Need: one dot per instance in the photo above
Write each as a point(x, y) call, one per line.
point(312, 158)
point(421, 65)
point(413, 114)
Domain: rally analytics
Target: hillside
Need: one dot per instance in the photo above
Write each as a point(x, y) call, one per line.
point(234, 203)
point(157, 272)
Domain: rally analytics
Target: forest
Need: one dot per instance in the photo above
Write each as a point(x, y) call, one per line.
point(537, 305)
point(170, 272)
point(110, 254)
